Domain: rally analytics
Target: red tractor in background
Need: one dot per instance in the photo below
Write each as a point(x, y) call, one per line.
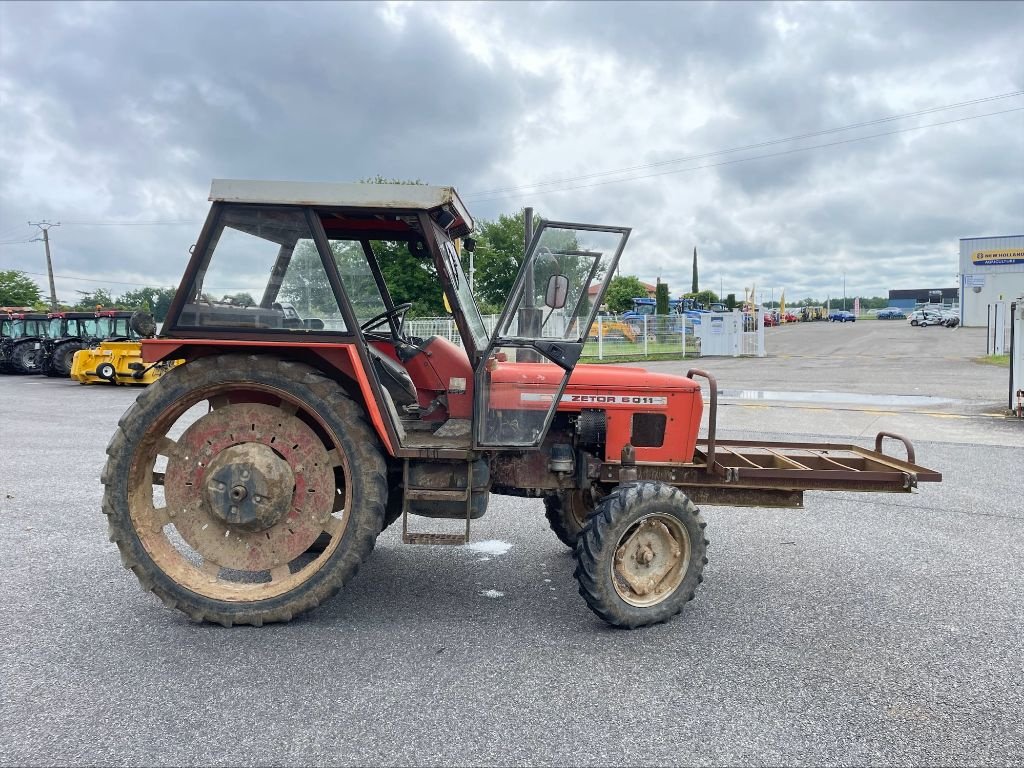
point(248, 484)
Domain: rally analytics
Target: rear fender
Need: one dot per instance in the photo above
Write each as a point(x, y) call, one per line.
point(339, 361)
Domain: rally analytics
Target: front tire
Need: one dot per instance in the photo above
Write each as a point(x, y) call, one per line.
point(641, 555)
point(183, 514)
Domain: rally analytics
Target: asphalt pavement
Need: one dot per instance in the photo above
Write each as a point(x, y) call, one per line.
point(862, 629)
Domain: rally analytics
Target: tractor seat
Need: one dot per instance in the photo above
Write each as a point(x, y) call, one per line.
point(395, 378)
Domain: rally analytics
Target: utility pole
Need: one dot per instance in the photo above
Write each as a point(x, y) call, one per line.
point(45, 227)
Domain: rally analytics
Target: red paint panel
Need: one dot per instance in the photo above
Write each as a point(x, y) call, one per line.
point(341, 357)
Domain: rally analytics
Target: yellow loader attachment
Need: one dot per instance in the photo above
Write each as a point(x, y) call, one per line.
point(116, 362)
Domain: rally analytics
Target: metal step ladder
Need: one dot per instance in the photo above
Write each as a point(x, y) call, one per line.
point(435, 494)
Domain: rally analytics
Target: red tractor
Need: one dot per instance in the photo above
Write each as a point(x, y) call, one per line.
point(248, 484)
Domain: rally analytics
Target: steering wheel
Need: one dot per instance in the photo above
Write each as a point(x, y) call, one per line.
point(396, 313)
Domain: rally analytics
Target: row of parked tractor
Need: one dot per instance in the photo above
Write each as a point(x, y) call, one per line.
point(90, 347)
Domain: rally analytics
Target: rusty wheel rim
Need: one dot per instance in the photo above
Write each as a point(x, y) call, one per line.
point(651, 559)
point(228, 492)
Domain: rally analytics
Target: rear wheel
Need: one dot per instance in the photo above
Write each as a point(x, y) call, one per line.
point(641, 555)
point(25, 357)
point(222, 475)
point(567, 513)
point(63, 357)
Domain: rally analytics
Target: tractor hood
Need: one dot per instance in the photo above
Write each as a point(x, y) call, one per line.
point(593, 377)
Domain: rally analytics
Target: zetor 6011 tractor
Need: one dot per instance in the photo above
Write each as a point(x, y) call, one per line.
point(247, 485)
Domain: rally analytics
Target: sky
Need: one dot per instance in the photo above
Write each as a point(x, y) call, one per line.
point(798, 147)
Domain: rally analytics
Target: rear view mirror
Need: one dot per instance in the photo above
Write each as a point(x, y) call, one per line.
point(557, 291)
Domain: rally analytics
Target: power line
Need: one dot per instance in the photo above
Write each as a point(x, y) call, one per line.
point(127, 223)
point(758, 145)
point(10, 232)
point(88, 279)
point(481, 197)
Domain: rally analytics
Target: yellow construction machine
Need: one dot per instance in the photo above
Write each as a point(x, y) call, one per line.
point(117, 359)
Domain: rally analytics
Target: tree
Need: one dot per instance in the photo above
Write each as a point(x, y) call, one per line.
point(707, 298)
point(730, 301)
point(17, 289)
point(409, 278)
point(156, 301)
point(498, 256)
point(661, 299)
point(622, 291)
point(693, 287)
point(89, 301)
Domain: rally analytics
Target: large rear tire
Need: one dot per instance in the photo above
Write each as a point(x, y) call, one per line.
point(25, 357)
point(216, 516)
point(63, 357)
point(641, 555)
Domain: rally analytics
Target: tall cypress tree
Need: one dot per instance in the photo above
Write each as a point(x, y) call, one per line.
point(694, 288)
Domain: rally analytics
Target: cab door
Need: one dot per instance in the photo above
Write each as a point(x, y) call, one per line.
point(539, 338)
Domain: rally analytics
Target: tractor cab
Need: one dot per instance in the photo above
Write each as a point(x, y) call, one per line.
point(21, 338)
point(325, 269)
point(67, 332)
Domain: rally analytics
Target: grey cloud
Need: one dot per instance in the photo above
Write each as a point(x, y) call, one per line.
point(125, 110)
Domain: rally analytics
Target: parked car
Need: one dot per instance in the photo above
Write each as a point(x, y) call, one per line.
point(842, 316)
point(891, 313)
point(926, 317)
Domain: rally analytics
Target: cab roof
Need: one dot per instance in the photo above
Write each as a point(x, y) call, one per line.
point(417, 197)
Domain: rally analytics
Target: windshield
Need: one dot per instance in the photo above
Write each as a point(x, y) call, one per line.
point(82, 327)
point(580, 257)
point(112, 327)
point(54, 330)
point(357, 277)
point(453, 266)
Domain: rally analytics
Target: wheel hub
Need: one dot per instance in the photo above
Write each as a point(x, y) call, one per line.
point(249, 486)
point(646, 558)
point(288, 470)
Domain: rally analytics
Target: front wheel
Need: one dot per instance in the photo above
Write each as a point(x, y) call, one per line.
point(641, 555)
point(226, 470)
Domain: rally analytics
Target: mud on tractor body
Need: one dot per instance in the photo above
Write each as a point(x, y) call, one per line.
point(248, 484)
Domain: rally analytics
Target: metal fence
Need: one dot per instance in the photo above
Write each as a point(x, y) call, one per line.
point(648, 336)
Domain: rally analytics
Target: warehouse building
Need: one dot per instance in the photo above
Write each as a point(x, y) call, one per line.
point(991, 270)
point(907, 299)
